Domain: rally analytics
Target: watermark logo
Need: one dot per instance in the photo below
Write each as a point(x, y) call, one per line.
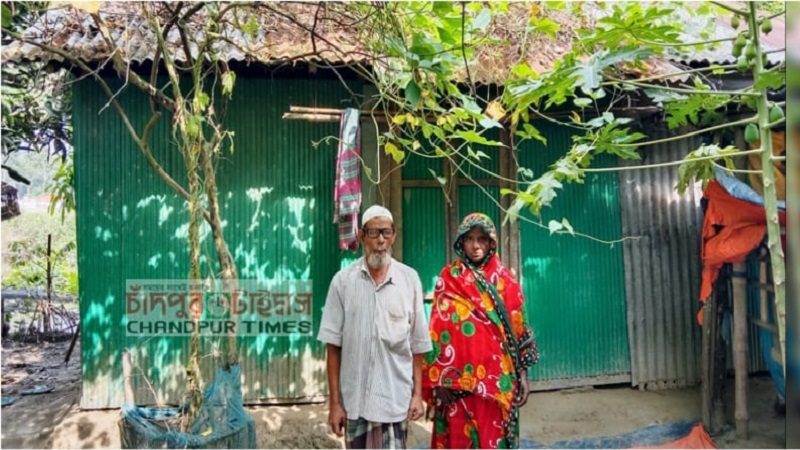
point(157, 307)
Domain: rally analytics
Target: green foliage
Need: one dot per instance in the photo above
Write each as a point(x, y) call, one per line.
point(62, 189)
point(629, 24)
point(698, 166)
point(36, 110)
point(25, 253)
point(695, 109)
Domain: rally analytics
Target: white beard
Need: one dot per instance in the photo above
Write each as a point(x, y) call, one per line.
point(379, 260)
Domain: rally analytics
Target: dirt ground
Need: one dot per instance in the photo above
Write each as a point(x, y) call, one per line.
point(53, 420)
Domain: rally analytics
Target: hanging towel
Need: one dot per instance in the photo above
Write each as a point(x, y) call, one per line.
point(347, 190)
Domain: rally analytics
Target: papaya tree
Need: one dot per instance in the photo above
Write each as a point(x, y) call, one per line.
point(425, 55)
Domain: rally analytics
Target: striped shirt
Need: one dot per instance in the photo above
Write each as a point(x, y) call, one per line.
point(379, 328)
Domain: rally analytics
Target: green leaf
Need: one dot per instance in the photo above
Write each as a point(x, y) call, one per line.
point(228, 81)
point(582, 102)
point(442, 8)
point(567, 226)
point(5, 15)
point(476, 155)
point(773, 79)
point(251, 27)
point(523, 70)
point(694, 170)
point(441, 180)
point(525, 172)
point(396, 154)
point(544, 26)
point(193, 125)
point(554, 226)
point(200, 102)
point(531, 132)
point(689, 110)
point(475, 138)
point(589, 77)
point(412, 92)
point(488, 122)
point(444, 35)
point(471, 106)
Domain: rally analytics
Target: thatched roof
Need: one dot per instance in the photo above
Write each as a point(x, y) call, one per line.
point(283, 36)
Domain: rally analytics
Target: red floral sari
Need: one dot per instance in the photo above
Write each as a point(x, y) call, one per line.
point(482, 345)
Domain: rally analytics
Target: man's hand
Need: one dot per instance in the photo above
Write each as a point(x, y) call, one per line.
point(337, 418)
point(416, 408)
point(524, 391)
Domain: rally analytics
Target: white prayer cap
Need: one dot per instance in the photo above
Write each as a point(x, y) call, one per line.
point(375, 211)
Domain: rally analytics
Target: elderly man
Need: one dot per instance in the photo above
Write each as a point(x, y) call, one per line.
point(375, 328)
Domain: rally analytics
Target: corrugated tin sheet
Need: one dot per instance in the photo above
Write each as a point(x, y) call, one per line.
point(574, 287)
point(276, 195)
point(662, 268)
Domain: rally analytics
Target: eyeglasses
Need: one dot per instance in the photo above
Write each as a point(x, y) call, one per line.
point(374, 232)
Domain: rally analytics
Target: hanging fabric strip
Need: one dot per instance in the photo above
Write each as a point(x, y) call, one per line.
point(347, 190)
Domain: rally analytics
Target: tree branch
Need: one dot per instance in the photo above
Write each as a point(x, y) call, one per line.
point(753, 119)
point(121, 66)
point(671, 163)
point(463, 49)
point(141, 144)
point(679, 90)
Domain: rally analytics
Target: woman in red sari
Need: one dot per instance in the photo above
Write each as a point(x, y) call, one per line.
point(475, 377)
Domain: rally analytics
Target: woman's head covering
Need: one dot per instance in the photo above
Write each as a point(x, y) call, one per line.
point(469, 222)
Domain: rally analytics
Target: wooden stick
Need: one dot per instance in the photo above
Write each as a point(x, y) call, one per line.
point(312, 117)
point(72, 343)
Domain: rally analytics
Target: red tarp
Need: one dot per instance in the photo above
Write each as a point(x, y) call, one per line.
point(743, 225)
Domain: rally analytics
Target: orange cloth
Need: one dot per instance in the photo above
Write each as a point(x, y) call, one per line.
point(697, 438)
point(743, 227)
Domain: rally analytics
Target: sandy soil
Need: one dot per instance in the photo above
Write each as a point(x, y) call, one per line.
point(53, 420)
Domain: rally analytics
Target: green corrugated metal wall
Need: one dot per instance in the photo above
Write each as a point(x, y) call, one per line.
point(276, 194)
point(574, 286)
point(425, 233)
point(425, 210)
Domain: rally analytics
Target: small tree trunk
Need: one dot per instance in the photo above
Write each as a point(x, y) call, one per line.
point(226, 263)
point(194, 382)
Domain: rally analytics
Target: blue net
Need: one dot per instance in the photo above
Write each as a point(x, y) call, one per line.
point(222, 421)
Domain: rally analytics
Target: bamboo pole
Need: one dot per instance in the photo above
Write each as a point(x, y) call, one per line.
point(707, 362)
point(740, 350)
